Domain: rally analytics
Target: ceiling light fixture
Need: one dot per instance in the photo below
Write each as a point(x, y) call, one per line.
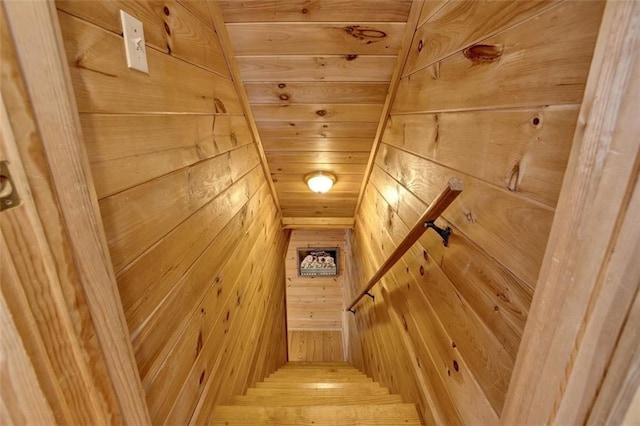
point(320, 181)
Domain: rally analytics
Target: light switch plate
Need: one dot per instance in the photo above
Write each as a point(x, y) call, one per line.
point(135, 49)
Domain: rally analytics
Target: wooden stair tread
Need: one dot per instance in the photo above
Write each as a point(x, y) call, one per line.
point(316, 385)
point(297, 400)
point(347, 415)
point(318, 367)
point(317, 364)
point(295, 370)
point(319, 370)
point(319, 379)
point(314, 392)
point(322, 379)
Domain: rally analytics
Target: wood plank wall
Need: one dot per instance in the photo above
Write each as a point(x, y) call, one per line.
point(490, 93)
point(315, 346)
point(193, 233)
point(314, 303)
point(583, 329)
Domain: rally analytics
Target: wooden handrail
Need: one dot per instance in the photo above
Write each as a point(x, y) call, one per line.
point(435, 209)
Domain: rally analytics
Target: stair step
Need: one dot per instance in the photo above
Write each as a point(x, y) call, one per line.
point(321, 373)
point(343, 398)
point(319, 368)
point(315, 392)
point(317, 364)
point(316, 385)
point(312, 369)
point(317, 372)
point(324, 379)
point(346, 415)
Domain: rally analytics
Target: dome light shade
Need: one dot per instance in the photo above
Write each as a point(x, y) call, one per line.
point(320, 181)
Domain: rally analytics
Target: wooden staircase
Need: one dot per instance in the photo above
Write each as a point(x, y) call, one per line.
point(321, 393)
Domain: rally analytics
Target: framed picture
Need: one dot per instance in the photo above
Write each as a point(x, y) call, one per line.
point(318, 261)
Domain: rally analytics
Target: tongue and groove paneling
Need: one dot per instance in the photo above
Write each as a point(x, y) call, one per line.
point(319, 346)
point(490, 93)
point(314, 72)
point(314, 303)
point(315, 11)
point(194, 235)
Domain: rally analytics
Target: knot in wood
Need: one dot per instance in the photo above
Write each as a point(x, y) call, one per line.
point(483, 53)
point(219, 105)
point(364, 33)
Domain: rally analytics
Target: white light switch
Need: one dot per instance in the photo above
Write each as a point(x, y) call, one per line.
point(134, 46)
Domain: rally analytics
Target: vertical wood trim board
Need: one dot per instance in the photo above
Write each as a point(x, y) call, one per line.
point(590, 276)
point(23, 401)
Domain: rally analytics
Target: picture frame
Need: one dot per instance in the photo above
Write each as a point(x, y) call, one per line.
point(318, 261)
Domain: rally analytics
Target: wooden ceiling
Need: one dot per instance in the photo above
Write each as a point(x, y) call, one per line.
point(316, 73)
